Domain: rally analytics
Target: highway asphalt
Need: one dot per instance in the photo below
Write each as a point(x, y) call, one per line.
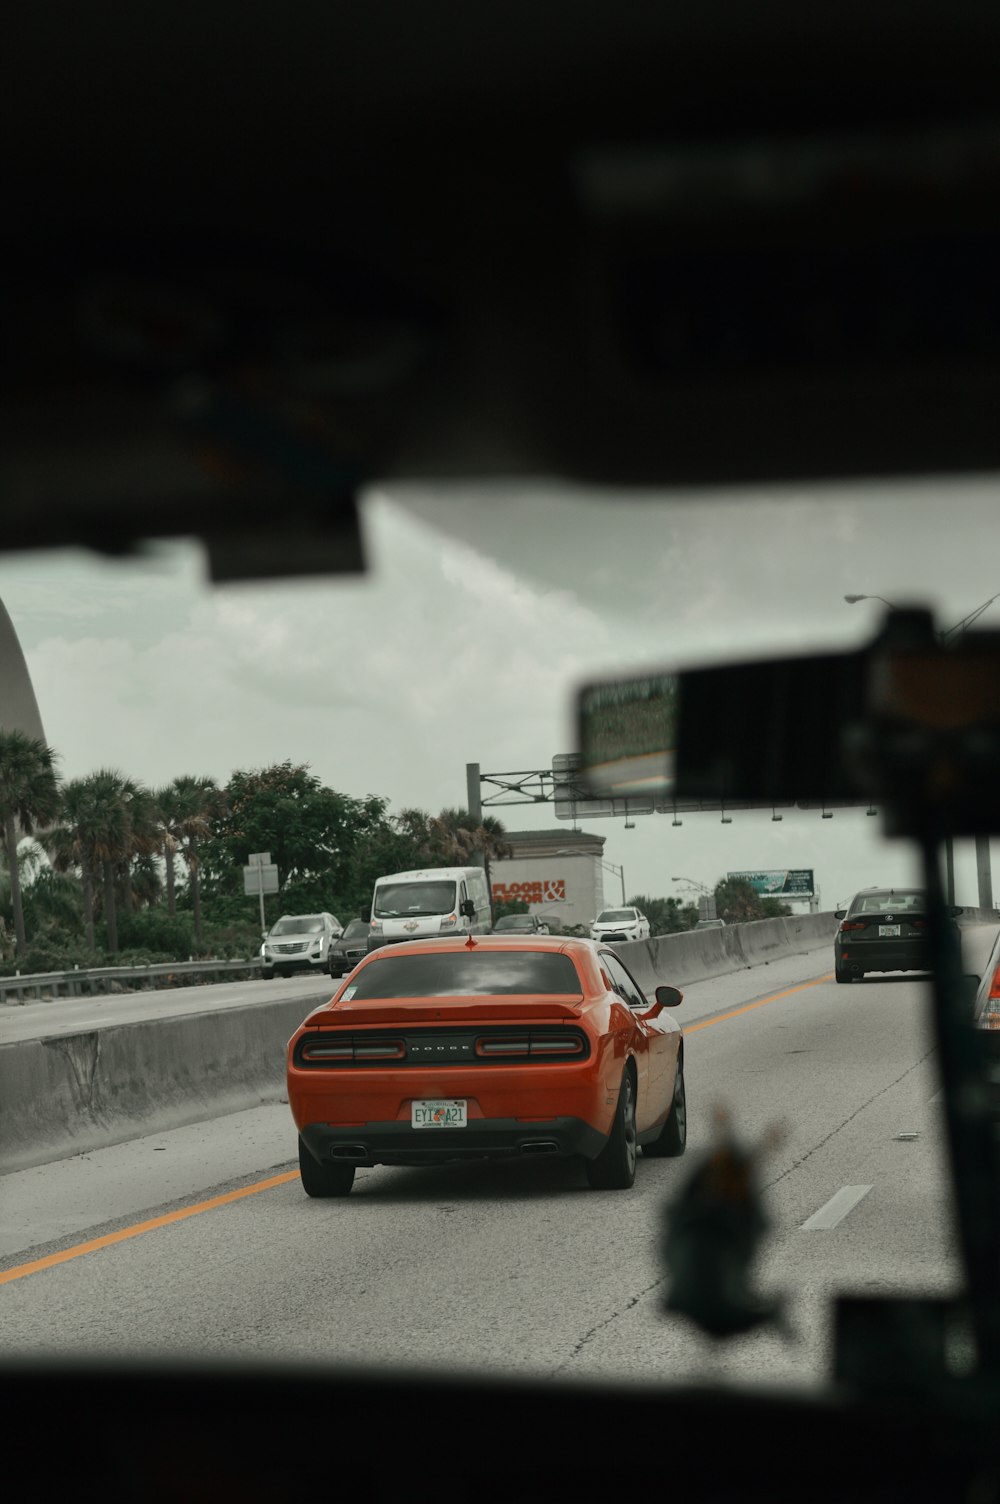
point(200, 1241)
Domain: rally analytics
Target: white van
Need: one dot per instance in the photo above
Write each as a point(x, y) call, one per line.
point(435, 901)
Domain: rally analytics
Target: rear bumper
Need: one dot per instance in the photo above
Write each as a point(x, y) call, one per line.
point(397, 1143)
point(877, 955)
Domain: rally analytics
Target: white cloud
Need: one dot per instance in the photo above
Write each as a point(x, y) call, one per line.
point(466, 639)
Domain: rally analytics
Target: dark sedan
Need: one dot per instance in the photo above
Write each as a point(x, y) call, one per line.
point(349, 949)
point(883, 929)
point(520, 924)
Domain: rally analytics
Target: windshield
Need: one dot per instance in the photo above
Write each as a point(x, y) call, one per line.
point(355, 930)
point(302, 924)
point(515, 922)
point(889, 898)
point(326, 724)
point(395, 899)
point(463, 973)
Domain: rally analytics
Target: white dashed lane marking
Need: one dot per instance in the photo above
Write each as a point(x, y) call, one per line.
point(836, 1209)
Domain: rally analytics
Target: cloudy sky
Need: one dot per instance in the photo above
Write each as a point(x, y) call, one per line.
point(481, 610)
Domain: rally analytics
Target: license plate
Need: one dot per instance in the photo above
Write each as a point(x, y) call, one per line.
point(447, 1114)
point(888, 929)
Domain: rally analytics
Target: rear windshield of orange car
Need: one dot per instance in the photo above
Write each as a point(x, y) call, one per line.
point(466, 973)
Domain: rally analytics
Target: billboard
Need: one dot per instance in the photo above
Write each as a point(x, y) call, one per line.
point(774, 884)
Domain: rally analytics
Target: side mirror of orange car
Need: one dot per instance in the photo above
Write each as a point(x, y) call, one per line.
point(669, 997)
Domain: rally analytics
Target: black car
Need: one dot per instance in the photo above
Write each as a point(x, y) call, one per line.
point(883, 929)
point(520, 924)
point(350, 948)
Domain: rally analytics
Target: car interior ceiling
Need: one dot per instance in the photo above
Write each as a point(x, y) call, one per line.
point(262, 257)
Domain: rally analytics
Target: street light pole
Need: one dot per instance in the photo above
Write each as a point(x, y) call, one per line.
point(619, 872)
point(983, 873)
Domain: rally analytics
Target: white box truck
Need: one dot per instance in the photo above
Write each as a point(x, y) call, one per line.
point(424, 904)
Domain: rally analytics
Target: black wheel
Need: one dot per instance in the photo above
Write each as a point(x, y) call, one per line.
point(267, 975)
point(323, 1180)
point(614, 1167)
point(841, 976)
point(673, 1135)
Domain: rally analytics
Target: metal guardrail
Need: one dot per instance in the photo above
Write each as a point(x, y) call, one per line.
point(83, 981)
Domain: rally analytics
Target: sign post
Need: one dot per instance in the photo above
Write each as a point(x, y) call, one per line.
point(260, 876)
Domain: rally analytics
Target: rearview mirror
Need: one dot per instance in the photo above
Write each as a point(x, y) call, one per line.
point(669, 997)
point(840, 913)
point(912, 722)
point(955, 910)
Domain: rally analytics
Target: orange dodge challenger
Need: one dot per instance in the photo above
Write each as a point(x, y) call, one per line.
point(491, 1046)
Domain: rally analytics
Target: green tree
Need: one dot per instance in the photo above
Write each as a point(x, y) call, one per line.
point(29, 797)
point(328, 847)
point(667, 916)
point(737, 901)
point(110, 838)
point(72, 845)
point(143, 843)
point(198, 805)
point(773, 908)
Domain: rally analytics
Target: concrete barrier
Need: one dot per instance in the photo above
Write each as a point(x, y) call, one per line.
point(71, 1094)
point(697, 955)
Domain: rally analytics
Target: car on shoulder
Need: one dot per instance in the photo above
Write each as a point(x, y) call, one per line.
point(883, 929)
point(298, 942)
point(520, 924)
point(348, 949)
point(626, 923)
point(487, 1047)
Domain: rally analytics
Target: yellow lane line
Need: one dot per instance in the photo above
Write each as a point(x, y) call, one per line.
point(108, 1241)
point(736, 1013)
point(37, 1265)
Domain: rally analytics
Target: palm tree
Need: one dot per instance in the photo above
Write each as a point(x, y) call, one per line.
point(458, 840)
point(71, 844)
point(144, 835)
point(168, 821)
point(110, 837)
point(197, 803)
point(29, 796)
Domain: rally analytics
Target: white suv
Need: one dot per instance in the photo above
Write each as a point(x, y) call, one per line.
point(620, 924)
point(298, 942)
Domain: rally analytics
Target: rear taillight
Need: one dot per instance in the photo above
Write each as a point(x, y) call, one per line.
point(391, 1050)
point(556, 1046)
point(509, 1047)
point(321, 1053)
point(517, 1047)
point(853, 924)
point(327, 1052)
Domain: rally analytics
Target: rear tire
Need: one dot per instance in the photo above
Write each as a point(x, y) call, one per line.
point(267, 975)
point(323, 1180)
point(673, 1135)
point(614, 1167)
point(842, 976)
